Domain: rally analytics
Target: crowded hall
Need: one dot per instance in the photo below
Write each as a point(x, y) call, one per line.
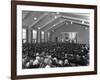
point(54, 39)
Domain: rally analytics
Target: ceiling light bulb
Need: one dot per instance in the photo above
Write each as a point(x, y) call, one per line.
point(35, 18)
point(54, 25)
point(38, 27)
point(55, 17)
point(82, 22)
point(71, 22)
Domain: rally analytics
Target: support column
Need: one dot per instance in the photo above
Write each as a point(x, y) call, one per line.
point(29, 35)
point(46, 36)
point(50, 37)
point(76, 37)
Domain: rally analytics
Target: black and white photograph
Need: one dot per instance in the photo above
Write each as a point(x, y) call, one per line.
point(52, 40)
point(55, 39)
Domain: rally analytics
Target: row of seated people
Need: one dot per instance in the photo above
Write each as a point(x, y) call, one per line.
point(54, 55)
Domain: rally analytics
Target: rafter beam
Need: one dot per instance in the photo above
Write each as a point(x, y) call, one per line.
point(77, 22)
point(50, 21)
point(40, 18)
point(55, 25)
point(73, 18)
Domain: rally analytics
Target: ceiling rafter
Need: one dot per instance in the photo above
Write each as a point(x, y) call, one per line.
point(56, 24)
point(60, 25)
point(40, 18)
point(73, 18)
point(77, 22)
point(50, 21)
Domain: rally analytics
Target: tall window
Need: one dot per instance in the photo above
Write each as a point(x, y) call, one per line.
point(73, 36)
point(24, 36)
point(34, 36)
point(42, 36)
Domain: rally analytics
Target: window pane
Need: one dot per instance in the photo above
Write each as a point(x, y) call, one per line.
point(73, 35)
point(42, 35)
point(24, 34)
point(24, 30)
point(34, 34)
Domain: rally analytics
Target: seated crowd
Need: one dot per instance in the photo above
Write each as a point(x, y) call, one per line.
point(49, 55)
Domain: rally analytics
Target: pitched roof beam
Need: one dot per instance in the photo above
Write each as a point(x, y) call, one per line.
point(76, 19)
point(50, 21)
point(40, 18)
point(55, 25)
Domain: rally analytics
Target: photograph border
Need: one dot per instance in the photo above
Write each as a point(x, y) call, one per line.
point(14, 38)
